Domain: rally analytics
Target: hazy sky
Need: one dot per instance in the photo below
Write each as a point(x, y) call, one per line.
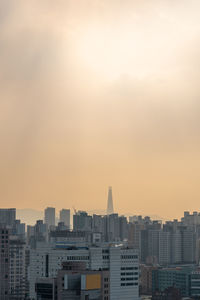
point(96, 93)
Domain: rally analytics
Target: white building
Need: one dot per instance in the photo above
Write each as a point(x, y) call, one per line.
point(122, 262)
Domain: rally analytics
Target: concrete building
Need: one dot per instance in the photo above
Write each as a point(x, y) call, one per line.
point(189, 246)
point(123, 228)
point(176, 247)
point(191, 219)
point(4, 262)
point(74, 238)
point(17, 279)
point(172, 277)
point(46, 260)
point(112, 228)
point(74, 282)
point(7, 216)
point(49, 216)
point(134, 234)
point(18, 229)
point(65, 217)
point(146, 279)
point(98, 224)
point(164, 248)
point(46, 288)
point(37, 233)
point(82, 221)
point(195, 284)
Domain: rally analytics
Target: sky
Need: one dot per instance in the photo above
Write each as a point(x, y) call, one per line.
point(98, 93)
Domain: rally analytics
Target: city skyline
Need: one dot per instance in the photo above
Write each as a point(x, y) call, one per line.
point(99, 150)
point(120, 257)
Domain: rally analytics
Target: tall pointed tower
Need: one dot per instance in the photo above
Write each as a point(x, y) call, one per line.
point(110, 209)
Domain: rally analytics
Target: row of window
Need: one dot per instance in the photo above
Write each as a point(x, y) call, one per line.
point(129, 268)
point(129, 278)
point(129, 273)
point(129, 256)
point(129, 283)
point(77, 257)
point(4, 231)
point(105, 251)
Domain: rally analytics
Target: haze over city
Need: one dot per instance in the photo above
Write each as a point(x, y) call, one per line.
point(100, 93)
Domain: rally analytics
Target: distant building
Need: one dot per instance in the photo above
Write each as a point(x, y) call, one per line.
point(65, 217)
point(18, 229)
point(146, 279)
point(7, 216)
point(77, 238)
point(110, 209)
point(17, 279)
point(49, 216)
point(37, 233)
point(82, 221)
point(4, 263)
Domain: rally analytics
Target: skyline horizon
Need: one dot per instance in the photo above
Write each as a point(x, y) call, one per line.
point(20, 211)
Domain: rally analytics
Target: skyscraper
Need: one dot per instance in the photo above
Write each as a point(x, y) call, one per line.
point(49, 216)
point(65, 217)
point(110, 209)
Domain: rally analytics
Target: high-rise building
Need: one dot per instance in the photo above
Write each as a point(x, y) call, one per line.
point(188, 246)
point(82, 221)
point(4, 262)
point(164, 247)
point(110, 209)
point(17, 280)
point(49, 216)
point(7, 216)
point(65, 217)
point(112, 228)
point(18, 228)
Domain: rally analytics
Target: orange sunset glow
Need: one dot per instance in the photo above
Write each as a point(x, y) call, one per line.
point(98, 93)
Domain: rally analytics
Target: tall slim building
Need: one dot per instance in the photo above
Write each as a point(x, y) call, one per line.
point(17, 280)
point(65, 217)
point(110, 209)
point(49, 216)
point(4, 262)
